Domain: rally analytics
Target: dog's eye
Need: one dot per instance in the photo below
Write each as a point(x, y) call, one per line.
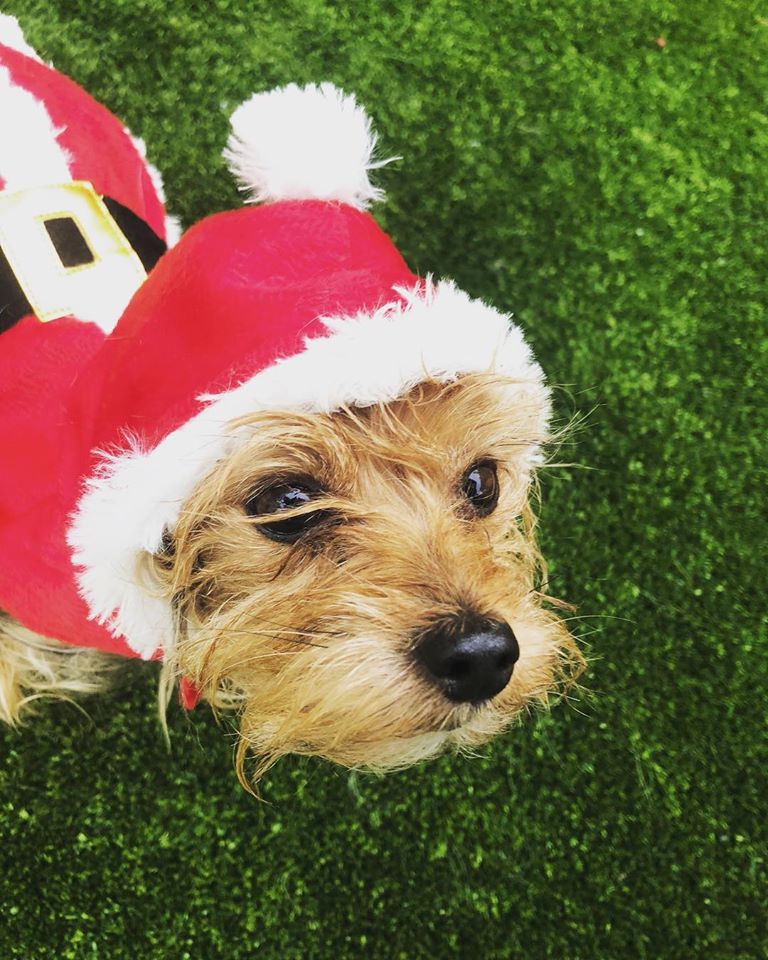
point(289, 496)
point(480, 486)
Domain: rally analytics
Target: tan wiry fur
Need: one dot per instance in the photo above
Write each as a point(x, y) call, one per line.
point(312, 643)
point(34, 668)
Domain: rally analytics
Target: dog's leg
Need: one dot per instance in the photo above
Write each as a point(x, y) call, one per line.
point(34, 667)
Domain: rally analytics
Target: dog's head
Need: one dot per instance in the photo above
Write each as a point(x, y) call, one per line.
point(324, 518)
point(365, 584)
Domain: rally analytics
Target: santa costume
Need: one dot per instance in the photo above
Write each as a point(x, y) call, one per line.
point(122, 366)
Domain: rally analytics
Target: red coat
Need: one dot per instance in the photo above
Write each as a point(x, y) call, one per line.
point(41, 447)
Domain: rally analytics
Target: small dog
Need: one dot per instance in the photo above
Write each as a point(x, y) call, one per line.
point(327, 528)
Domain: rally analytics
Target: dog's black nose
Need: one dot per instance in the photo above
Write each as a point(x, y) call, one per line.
point(470, 661)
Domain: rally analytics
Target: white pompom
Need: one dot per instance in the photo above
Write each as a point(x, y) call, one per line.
point(304, 143)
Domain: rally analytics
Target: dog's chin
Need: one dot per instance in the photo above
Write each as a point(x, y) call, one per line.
point(465, 729)
point(461, 729)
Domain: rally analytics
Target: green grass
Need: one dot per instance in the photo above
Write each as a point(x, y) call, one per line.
point(614, 194)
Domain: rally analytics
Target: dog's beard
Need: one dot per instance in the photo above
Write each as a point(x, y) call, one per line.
point(313, 641)
point(354, 696)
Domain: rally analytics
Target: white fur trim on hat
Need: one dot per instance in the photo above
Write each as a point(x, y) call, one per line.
point(435, 332)
point(304, 143)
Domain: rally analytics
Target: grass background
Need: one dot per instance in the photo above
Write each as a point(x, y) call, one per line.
point(611, 189)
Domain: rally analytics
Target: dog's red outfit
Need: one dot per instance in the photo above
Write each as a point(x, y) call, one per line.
point(44, 452)
point(117, 392)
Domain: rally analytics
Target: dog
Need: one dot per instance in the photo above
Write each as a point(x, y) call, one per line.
point(270, 457)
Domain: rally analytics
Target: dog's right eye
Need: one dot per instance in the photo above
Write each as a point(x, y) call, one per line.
point(284, 497)
point(480, 486)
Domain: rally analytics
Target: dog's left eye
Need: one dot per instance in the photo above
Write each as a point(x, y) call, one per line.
point(480, 486)
point(288, 496)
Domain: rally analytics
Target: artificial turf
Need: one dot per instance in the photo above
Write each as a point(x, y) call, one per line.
point(601, 168)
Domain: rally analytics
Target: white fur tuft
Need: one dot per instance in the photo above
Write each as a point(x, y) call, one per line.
point(173, 229)
point(11, 35)
point(437, 331)
point(32, 156)
point(304, 143)
point(111, 564)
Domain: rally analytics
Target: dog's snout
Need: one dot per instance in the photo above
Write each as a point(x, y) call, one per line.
point(470, 661)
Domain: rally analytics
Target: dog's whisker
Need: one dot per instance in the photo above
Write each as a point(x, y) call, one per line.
point(306, 633)
point(275, 636)
point(237, 664)
point(205, 640)
point(596, 616)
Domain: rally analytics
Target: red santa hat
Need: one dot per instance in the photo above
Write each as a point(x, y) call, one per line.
point(300, 302)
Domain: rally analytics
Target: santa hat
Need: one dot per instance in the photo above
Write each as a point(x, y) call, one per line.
point(300, 302)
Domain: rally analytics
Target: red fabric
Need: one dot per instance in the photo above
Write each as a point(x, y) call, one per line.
point(38, 363)
point(239, 291)
point(189, 694)
point(101, 150)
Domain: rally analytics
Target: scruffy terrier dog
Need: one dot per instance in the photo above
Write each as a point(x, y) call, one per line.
point(285, 466)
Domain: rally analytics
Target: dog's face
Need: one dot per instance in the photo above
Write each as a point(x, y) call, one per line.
point(365, 583)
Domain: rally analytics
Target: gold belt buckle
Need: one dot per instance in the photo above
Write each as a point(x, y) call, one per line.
point(96, 282)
